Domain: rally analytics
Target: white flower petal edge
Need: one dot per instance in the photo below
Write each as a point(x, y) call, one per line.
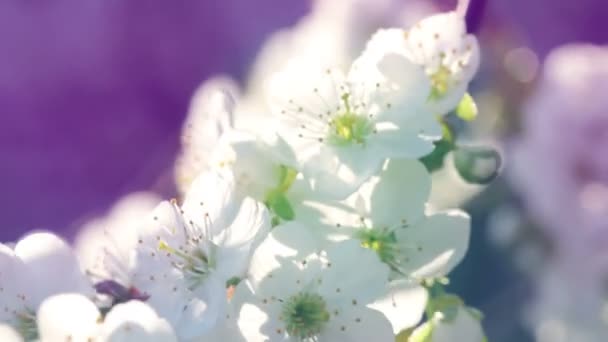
point(442, 240)
point(105, 245)
point(68, 317)
point(8, 334)
point(73, 317)
point(209, 117)
point(136, 321)
point(334, 297)
point(403, 305)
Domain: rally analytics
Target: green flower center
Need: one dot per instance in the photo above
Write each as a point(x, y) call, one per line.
point(381, 240)
point(440, 82)
point(348, 127)
point(305, 315)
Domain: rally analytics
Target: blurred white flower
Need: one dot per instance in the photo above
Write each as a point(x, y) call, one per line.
point(333, 34)
point(442, 47)
point(40, 265)
point(8, 334)
point(558, 163)
point(209, 117)
point(73, 317)
point(186, 257)
point(314, 297)
point(105, 246)
point(570, 304)
point(343, 128)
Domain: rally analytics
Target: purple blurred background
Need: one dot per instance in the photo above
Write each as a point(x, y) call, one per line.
point(93, 93)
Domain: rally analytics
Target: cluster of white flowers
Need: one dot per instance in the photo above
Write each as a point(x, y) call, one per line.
point(302, 221)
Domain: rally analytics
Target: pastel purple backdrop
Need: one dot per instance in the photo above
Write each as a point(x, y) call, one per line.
point(93, 93)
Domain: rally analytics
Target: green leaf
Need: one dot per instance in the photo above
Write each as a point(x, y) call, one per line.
point(477, 165)
point(467, 109)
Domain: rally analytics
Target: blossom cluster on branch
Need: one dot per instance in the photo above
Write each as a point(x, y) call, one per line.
point(302, 220)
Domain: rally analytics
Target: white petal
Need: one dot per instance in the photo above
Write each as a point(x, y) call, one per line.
point(409, 84)
point(285, 241)
point(394, 142)
point(359, 324)
point(355, 274)
point(210, 116)
point(252, 164)
point(104, 245)
point(8, 334)
point(438, 243)
point(136, 321)
point(211, 203)
point(237, 242)
point(337, 172)
point(251, 225)
point(207, 306)
point(257, 325)
point(50, 266)
point(398, 193)
point(67, 317)
point(404, 304)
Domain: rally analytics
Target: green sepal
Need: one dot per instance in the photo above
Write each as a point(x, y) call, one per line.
point(287, 176)
point(278, 203)
point(234, 281)
point(434, 160)
point(404, 335)
point(424, 333)
point(467, 108)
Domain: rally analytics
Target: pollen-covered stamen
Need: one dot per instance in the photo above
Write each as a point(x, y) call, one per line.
point(440, 82)
point(305, 315)
point(194, 263)
point(348, 127)
point(381, 240)
point(393, 252)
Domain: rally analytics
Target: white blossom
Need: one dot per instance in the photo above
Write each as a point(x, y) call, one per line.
point(186, 257)
point(317, 297)
point(387, 215)
point(441, 46)
point(342, 128)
